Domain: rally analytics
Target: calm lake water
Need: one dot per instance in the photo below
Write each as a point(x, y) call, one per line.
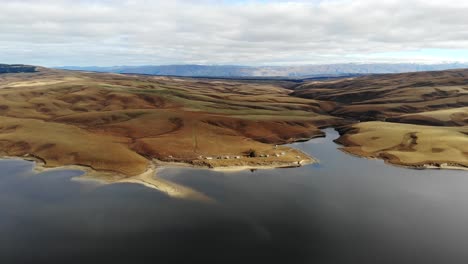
point(345, 210)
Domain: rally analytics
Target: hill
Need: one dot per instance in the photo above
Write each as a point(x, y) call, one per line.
point(123, 124)
point(378, 97)
point(432, 106)
point(120, 123)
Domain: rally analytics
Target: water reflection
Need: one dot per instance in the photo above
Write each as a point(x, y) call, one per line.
point(345, 210)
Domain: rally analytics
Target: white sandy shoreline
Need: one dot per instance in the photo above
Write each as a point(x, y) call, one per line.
point(148, 178)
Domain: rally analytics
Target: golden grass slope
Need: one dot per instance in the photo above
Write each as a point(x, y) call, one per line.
point(408, 145)
point(377, 97)
point(60, 144)
point(436, 101)
point(120, 123)
point(445, 117)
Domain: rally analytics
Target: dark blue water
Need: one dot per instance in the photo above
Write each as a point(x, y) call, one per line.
point(345, 210)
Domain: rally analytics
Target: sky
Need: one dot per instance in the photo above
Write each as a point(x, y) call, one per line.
point(232, 32)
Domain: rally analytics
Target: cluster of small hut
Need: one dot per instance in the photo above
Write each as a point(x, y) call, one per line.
point(274, 155)
point(239, 157)
point(222, 157)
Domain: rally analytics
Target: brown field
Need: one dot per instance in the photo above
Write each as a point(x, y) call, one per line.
point(436, 100)
point(408, 145)
point(378, 97)
point(122, 123)
point(119, 123)
point(446, 117)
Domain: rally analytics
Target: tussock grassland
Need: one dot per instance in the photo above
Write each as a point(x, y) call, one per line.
point(61, 144)
point(446, 117)
point(408, 145)
point(123, 123)
point(436, 100)
point(119, 123)
point(377, 97)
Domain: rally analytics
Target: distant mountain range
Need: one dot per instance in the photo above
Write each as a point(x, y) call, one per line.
point(303, 71)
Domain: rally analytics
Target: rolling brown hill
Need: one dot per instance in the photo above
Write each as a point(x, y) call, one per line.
point(121, 123)
point(426, 116)
point(114, 122)
point(378, 97)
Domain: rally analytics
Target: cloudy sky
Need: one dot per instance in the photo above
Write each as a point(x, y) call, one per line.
point(241, 32)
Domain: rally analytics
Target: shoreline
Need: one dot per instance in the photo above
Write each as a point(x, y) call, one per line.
point(425, 166)
point(150, 179)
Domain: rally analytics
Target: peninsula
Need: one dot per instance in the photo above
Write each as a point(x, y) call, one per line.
point(122, 123)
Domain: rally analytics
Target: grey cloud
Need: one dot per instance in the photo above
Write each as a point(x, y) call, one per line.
point(58, 32)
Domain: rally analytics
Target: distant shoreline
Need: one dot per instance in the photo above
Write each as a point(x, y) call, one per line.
point(425, 166)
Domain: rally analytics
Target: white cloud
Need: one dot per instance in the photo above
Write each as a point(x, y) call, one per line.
point(92, 32)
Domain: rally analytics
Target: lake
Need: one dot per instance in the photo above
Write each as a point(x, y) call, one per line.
point(344, 210)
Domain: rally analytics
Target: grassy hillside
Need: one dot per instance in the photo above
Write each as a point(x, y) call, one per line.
point(446, 117)
point(119, 122)
point(409, 145)
point(378, 97)
point(436, 101)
